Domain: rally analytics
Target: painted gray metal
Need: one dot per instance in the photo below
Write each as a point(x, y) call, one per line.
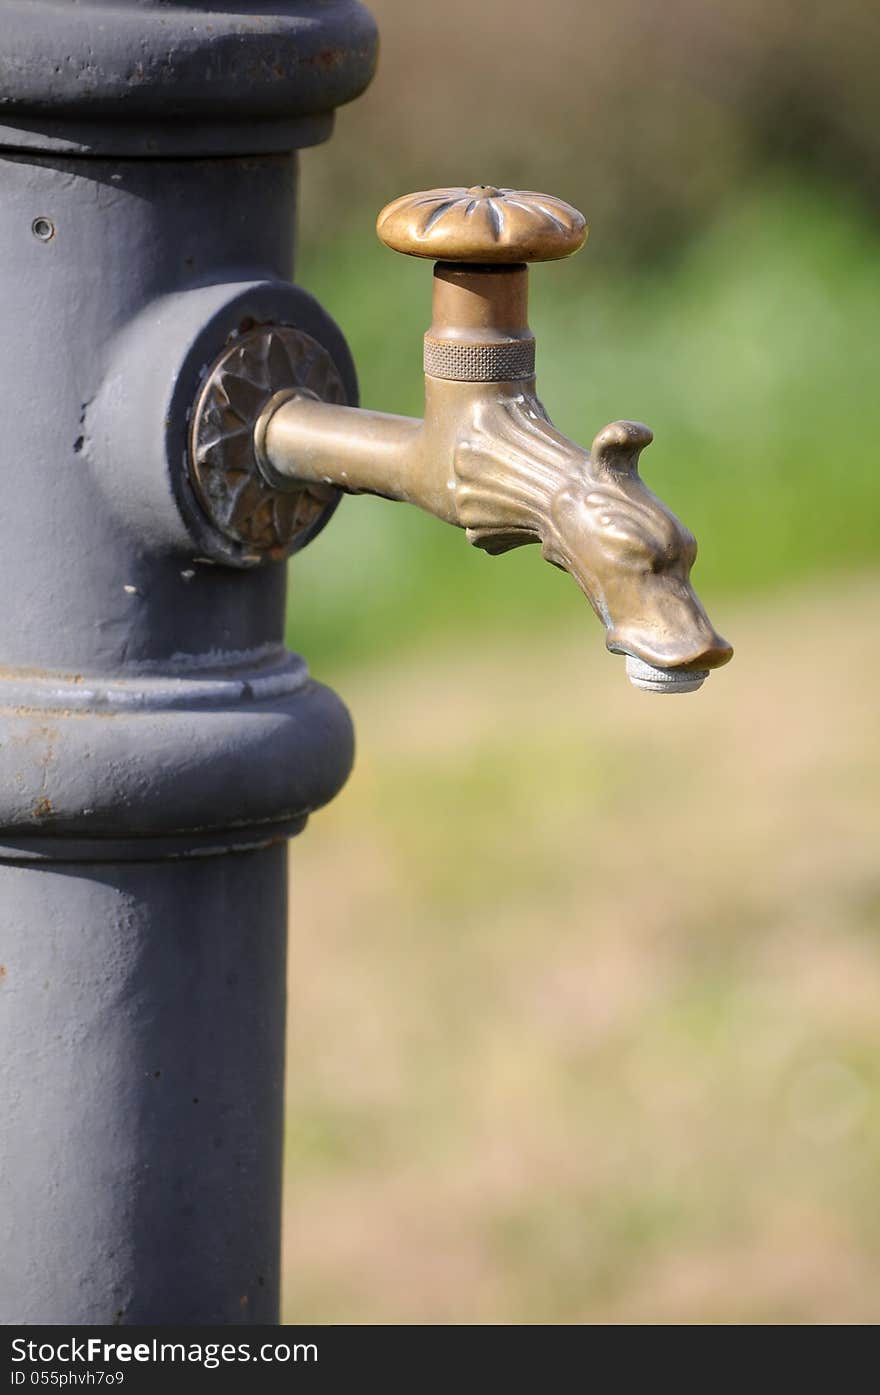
point(160, 77)
point(141, 1077)
point(157, 743)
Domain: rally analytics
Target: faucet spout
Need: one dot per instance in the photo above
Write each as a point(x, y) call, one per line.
point(487, 459)
point(522, 480)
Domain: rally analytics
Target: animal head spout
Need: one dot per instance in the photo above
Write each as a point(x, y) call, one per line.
point(633, 558)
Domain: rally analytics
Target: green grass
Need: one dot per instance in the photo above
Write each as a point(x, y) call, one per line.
point(752, 358)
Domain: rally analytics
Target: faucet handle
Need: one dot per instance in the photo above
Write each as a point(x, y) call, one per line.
point(482, 225)
point(481, 240)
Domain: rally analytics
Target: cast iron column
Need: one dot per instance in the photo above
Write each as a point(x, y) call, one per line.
point(157, 744)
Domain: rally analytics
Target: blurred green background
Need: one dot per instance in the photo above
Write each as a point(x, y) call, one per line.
point(585, 992)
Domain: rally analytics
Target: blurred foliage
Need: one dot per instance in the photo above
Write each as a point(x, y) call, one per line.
point(645, 115)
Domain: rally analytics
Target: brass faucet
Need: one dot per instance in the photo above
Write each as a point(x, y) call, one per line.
point(486, 457)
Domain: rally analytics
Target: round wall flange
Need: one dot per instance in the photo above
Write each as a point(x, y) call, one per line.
point(268, 521)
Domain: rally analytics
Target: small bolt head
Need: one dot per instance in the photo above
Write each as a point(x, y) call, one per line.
point(43, 229)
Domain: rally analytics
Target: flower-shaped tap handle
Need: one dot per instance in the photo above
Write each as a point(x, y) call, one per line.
point(482, 225)
point(481, 239)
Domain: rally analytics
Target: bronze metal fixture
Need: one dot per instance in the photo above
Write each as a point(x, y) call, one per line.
point(265, 520)
point(486, 457)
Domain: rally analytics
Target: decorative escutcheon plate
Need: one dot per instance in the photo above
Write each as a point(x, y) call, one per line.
point(269, 521)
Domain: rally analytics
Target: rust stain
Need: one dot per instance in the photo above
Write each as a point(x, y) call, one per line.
point(2, 972)
point(43, 808)
point(327, 58)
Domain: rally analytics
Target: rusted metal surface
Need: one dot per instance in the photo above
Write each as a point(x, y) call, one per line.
point(149, 78)
point(224, 760)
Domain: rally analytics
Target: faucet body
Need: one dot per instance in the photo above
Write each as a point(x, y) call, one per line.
point(486, 458)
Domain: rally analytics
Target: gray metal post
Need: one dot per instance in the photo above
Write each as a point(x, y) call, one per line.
point(157, 743)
